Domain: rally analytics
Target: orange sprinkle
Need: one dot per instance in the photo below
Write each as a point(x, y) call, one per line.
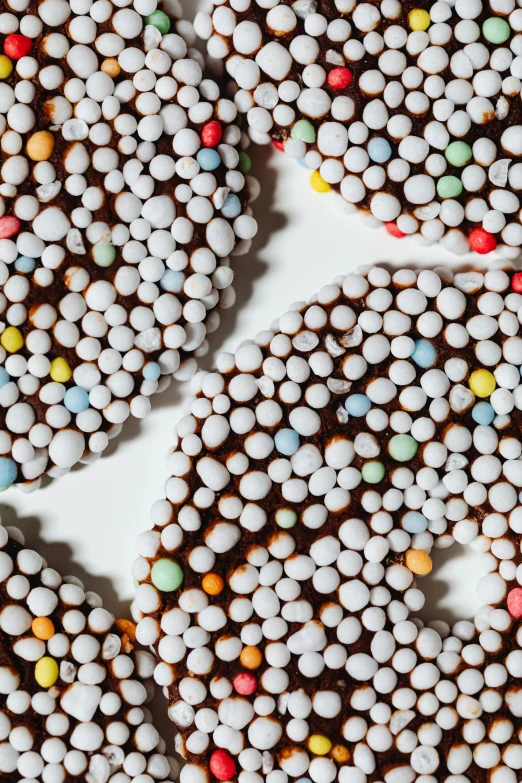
point(340, 754)
point(250, 658)
point(212, 584)
point(42, 628)
point(125, 626)
point(418, 561)
point(111, 67)
point(126, 645)
point(40, 145)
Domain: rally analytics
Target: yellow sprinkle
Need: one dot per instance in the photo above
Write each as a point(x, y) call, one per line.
point(11, 339)
point(482, 383)
point(418, 561)
point(6, 66)
point(318, 183)
point(319, 745)
point(46, 672)
point(418, 19)
point(60, 370)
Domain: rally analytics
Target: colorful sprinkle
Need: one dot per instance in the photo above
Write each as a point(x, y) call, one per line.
point(166, 575)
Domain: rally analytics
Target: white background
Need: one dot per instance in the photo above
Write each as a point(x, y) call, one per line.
point(86, 522)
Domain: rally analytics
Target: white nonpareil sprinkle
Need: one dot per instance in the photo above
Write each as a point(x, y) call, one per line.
point(312, 477)
point(124, 190)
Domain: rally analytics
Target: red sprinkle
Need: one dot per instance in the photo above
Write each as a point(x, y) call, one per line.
point(340, 78)
point(222, 766)
point(394, 230)
point(9, 226)
point(245, 683)
point(279, 146)
point(514, 602)
point(211, 133)
point(481, 241)
point(516, 283)
point(17, 46)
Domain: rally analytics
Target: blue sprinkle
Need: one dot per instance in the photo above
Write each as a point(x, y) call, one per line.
point(25, 264)
point(151, 371)
point(414, 522)
point(483, 413)
point(4, 377)
point(7, 472)
point(287, 442)
point(424, 354)
point(379, 150)
point(76, 399)
point(208, 159)
point(358, 405)
point(172, 281)
point(232, 206)
point(302, 163)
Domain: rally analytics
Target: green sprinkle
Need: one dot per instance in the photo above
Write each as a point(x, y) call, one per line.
point(245, 164)
point(159, 20)
point(458, 153)
point(496, 30)
point(104, 255)
point(166, 575)
point(285, 517)
point(449, 187)
point(402, 447)
point(373, 472)
point(304, 131)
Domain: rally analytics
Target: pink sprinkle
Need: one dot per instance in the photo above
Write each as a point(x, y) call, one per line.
point(9, 226)
point(222, 766)
point(514, 602)
point(245, 683)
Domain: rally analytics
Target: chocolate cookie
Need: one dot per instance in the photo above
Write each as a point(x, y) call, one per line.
point(316, 472)
point(123, 193)
point(73, 690)
point(411, 111)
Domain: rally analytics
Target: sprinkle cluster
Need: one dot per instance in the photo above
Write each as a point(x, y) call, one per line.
point(123, 193)
point(311, 479)
point(412, 113)
point(73, 690)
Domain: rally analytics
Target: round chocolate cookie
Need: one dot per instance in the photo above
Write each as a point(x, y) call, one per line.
point(411, 111)
point(72, 688)
point(314, 474)
point(123, 193)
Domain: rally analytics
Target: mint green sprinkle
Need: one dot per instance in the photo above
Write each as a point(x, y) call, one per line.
point(166, 575)
point(104, 255)
point(402, 447)
point(159, 20)
point(373, 472)
point(304, 131)
point(285, 517)
point(458, 153)
point(245, 164)
point(496, 30)
point(449, 187)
